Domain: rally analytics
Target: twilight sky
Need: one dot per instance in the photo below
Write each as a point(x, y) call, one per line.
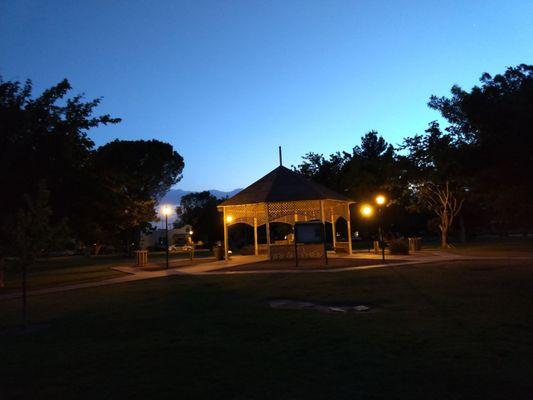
point(226, 82)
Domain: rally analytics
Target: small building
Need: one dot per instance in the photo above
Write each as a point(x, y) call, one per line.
point(157, 238)
point(285, 196)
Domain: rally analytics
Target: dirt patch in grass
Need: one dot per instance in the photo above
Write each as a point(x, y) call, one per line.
point(287, 304)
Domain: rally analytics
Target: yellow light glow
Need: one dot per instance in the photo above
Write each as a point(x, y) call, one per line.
point(166, 210)
point(380, 199)
point(191, 232)
point(366, 210)
point(229, 218)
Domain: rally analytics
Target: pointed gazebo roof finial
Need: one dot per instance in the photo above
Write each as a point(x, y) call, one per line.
point(280, 157)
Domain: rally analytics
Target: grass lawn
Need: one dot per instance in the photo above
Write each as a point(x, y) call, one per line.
point(517, 246)
point(488, 246)
point(460, 330)
point(57, 271)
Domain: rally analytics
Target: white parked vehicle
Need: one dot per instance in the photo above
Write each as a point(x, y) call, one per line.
point(176, 248)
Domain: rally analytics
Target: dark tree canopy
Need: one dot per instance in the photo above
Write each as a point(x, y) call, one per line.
point(135, 174)
point(495, 120)
point(100, 194)
point(434, 156)
point(144, 169)
point(44, 139)
point(362, 173)
point(200, 211)
point(327, 172)
point(370, 168)
point(436, 179)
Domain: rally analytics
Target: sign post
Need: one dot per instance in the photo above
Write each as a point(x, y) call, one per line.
point(313, 232)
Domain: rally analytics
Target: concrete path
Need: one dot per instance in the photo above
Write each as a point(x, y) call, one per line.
point(218, 268)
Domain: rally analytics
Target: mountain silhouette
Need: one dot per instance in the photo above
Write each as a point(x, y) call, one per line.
point(174, 196)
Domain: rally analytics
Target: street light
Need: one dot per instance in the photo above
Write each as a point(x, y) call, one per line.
point(166, 210)
point(380, 201)
point(367, 210)
point(190, 244)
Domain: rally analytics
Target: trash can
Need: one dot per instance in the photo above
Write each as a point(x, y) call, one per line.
point(415, 243)
point(218, 252)
point(377, 248)
point(141, 257)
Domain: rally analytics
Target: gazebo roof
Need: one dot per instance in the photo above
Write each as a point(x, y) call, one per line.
point(282, 184)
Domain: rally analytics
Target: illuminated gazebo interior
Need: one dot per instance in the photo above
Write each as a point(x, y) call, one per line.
point(288, 197)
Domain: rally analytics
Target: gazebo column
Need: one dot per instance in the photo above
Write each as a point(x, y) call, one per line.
point(256, 245)
point(225, 235)
point(267, 225)
point(349, 228)
point(333, 232)
point(268, 237)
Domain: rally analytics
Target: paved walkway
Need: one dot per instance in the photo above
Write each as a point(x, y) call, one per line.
point(211, 267)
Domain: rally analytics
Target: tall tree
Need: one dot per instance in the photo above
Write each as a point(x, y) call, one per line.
point(105, 195)
point(200, 211)
point(370, 168)
point(327, 172)
point(45, 139)
point(135, 174)
point(434, 173)
point(495, 120)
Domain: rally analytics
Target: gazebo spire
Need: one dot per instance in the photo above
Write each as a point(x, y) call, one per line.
point(280, 157)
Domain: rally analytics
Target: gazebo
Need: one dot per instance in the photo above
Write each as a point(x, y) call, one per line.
point(285, 196)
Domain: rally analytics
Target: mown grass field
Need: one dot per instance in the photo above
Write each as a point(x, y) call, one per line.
point(57, 271)
point(488, 246)
point(458, 330)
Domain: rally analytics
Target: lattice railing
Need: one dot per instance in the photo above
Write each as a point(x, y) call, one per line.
point(288, 212)
point(246, 213)
point(337, 208)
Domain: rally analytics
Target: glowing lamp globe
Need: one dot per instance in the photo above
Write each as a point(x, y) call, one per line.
point(366, 210)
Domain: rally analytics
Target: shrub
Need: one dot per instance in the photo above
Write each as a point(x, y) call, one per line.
point(399, 246)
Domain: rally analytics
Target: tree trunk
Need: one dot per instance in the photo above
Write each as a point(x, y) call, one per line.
point(444, 238)
point(97, 248)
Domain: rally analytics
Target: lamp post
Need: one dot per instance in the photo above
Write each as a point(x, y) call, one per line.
point(228, 219)
point(366, 211)
point(190, 243)
point(380, 201)
point(166, 211)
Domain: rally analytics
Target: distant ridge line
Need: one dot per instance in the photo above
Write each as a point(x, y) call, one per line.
point(174, 195)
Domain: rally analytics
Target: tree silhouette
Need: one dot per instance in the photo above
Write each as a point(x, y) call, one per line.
point(199, 210)
point(434, 174)
point(495, 121)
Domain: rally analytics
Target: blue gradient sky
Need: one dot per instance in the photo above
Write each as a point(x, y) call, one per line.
point(226, 82)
